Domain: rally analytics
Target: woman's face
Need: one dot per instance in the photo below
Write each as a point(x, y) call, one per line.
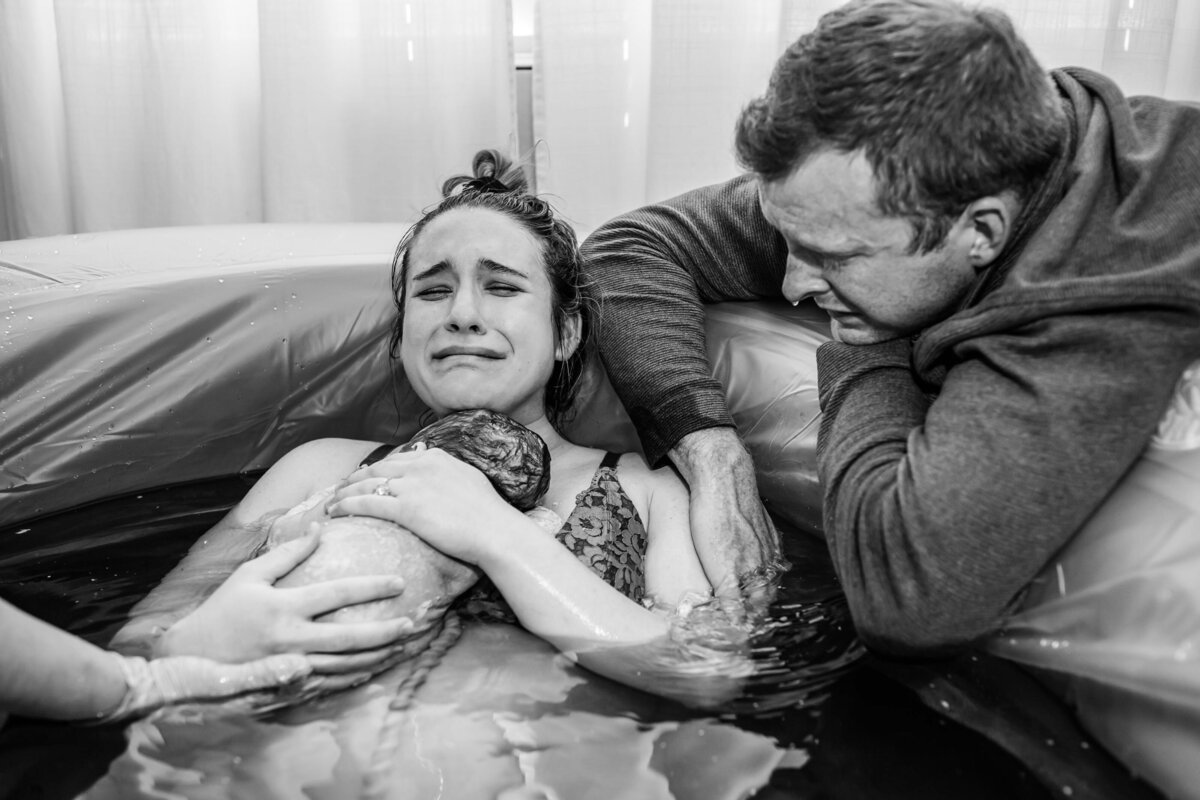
point(478, 330)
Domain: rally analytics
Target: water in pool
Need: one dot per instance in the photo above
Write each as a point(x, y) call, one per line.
point(503, 715)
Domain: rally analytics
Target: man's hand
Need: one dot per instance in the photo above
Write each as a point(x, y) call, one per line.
point(734, 537)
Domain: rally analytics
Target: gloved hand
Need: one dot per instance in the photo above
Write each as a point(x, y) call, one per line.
point(176, 679)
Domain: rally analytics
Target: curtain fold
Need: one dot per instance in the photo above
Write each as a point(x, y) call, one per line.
point(34, 179)
point(142, 113)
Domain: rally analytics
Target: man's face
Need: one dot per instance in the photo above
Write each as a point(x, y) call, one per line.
point(853, 261)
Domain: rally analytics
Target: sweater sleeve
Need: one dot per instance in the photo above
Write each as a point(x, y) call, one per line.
point(938, 512)
point(654, 268)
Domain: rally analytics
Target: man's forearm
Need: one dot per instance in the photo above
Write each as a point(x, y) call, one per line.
point(655, 268)
point(652, 344)
point(707, 453)
point(938, 512)
point(734, 537)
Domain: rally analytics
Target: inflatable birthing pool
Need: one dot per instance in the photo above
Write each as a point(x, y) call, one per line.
point(148, 376)
point(140, 358)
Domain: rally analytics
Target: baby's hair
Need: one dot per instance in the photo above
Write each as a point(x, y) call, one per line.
point(515, 459)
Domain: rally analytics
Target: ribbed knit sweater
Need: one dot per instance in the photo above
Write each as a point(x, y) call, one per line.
point(955, 465)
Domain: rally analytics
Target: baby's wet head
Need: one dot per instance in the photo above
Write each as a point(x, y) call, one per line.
point(515, 459)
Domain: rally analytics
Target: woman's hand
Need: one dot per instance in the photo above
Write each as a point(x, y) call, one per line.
point(448, 503)
point(248, 618)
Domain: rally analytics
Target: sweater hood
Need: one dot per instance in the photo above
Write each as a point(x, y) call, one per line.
point(1113, 226)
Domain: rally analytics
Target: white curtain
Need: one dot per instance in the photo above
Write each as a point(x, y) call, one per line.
point(635, 100)
point(139, 113)
point(1146, 46)
point(136, 113)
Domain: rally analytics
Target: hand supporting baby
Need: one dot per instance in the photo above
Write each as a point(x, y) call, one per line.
point(355, 545)
point(247, 618)
point(346, 548)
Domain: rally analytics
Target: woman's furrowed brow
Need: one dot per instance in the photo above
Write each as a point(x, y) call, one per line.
point(429, 272)
point(496, 266)
point(485, 264)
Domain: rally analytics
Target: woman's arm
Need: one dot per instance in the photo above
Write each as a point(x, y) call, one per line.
point(46, 672)
point(674, 575)
point(555, 596)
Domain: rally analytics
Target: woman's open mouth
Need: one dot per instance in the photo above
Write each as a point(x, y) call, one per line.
point(475, 352)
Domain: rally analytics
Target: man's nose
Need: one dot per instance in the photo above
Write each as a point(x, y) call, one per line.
point(802, 280)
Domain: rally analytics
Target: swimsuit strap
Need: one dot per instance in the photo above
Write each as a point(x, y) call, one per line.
point(610, 460)
point(376, 454)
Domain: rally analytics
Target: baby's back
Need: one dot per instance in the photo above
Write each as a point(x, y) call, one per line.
point(353, 546)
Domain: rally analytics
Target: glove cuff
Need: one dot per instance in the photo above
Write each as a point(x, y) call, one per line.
point(138, 678)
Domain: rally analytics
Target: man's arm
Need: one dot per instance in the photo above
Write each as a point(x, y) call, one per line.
point(938, 513)
point(655, 267)
point(732, 533)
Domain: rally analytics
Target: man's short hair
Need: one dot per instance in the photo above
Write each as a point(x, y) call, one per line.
point(946, 103)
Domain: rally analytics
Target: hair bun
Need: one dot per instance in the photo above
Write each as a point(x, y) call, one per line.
point(491, 171)
point(488, 184)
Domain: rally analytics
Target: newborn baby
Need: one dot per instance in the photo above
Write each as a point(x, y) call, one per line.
point(515, 460)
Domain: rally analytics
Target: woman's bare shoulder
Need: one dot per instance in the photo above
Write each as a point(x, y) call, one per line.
point(648, 486)
point(337, 453)
point(303, 470)
point(634, 467)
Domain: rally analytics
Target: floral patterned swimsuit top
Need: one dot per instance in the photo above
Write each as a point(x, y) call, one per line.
point(604, 531)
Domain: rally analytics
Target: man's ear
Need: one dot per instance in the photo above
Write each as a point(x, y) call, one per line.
point(991, 219)
point(569, 334)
